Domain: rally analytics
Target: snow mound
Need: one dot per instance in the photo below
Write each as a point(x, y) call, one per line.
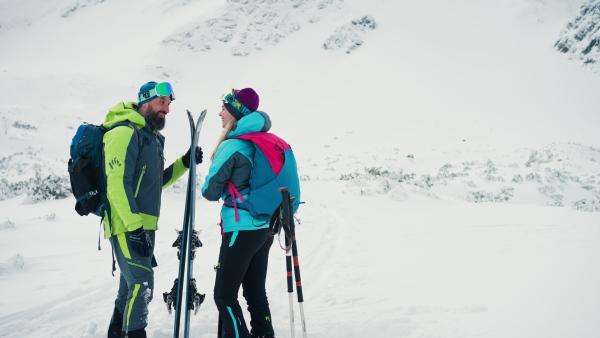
point(15, 263)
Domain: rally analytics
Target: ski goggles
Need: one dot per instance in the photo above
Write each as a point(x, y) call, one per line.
point(230, 98)
point(161, 89)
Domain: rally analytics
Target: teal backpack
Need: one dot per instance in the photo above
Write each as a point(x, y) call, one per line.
point(274, 166)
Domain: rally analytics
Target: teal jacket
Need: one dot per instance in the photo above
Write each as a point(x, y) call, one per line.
point(135, 173)
point(233, 163)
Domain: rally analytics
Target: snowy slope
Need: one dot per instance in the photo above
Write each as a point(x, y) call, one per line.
point(449, 156)
point(579, 39)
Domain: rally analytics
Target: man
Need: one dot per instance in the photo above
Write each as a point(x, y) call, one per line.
point(135, 176)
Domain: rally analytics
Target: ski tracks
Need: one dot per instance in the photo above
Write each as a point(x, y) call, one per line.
point(329, 262)
point(353, 288)
point(49, 319)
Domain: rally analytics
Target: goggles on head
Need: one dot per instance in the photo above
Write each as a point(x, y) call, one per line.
point(161, 89)
point(230, 98)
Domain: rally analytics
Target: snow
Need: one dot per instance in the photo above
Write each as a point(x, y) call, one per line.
point(579, 39)
point(450, 160)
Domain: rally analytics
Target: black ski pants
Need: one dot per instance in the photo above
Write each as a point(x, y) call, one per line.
point(243, 261)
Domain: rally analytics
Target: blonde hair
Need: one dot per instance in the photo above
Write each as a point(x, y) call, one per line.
point(228, 127)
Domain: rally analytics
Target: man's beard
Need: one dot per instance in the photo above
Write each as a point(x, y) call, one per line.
point(152, 116)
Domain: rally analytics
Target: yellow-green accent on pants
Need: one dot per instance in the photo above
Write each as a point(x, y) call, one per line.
point(134, 295)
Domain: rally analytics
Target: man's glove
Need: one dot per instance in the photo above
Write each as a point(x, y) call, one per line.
point(186, 157)
point(139, 241)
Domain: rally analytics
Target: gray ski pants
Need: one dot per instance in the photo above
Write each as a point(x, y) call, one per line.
point(136, 284)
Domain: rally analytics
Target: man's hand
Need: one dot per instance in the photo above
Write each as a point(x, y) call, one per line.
point(139, 241)
point(186, 157)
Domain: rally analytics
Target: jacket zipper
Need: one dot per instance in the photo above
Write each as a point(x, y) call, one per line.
point(137, 190)
point(161, 165)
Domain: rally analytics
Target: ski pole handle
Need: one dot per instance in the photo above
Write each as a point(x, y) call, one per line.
point(285, 202)
point(285, 209)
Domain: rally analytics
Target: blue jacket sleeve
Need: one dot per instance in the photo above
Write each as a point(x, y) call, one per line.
point(231, 164)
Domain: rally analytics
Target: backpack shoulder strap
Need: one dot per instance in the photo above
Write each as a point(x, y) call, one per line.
point(264, 140)
point(271, 145)
point(136, 130)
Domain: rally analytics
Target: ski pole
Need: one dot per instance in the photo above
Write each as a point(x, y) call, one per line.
point(297, 275)
point(290, 230)
point(290, 283)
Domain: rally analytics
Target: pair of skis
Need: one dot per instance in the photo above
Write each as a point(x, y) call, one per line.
point(187, 243)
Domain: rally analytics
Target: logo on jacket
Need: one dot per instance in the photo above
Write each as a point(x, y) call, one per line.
point(114, 163)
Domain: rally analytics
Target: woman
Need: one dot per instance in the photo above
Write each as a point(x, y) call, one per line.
point(244, 252)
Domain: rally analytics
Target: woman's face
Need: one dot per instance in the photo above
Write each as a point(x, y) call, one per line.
point(225, 116)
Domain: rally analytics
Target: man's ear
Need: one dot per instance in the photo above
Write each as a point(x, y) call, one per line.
point(142, 109)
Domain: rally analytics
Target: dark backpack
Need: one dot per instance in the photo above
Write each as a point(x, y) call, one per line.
point(86, 168)
point(274, 167)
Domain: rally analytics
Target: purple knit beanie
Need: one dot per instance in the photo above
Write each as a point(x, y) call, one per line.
point(248, 98)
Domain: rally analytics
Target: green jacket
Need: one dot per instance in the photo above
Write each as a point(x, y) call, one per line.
point(135, 173)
